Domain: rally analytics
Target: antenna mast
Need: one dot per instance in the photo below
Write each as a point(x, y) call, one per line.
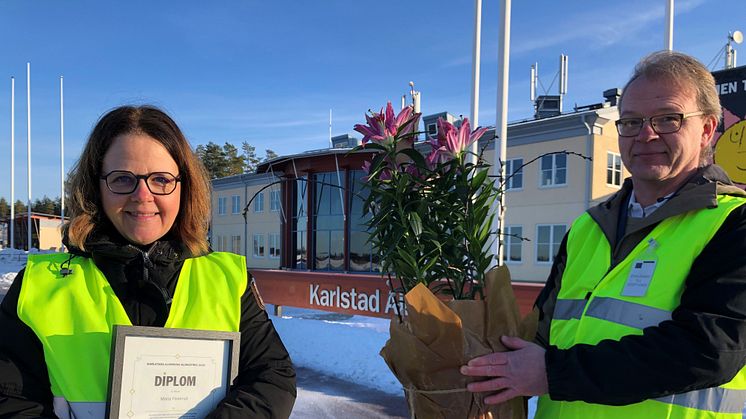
point(730, 53)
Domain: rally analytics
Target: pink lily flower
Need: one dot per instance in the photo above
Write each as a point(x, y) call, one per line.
point(383, 127)
point(451, 142)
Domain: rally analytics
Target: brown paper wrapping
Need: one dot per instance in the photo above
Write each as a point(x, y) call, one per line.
point(426, 351)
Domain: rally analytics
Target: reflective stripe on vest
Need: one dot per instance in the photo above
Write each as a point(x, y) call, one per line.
point(590, 307)
point(73, 317)
point(79, 410)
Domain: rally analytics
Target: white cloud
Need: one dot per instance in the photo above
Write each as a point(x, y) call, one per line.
point(605, 26)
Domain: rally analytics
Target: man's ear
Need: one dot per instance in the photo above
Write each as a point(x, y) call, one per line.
point(708, 130)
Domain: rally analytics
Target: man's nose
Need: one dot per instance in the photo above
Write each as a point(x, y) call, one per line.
point(647, 133)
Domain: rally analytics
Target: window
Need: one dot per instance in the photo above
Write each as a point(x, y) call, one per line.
point(259, 202)
point(222, 204)
point(514, 244)
point(553, 170)
point(274, 200)
point(274, 245)
point(432, 130)
point(548, 239)
point(514, 174)
point(299, 224)
point(362, 257)
point(236, 244)
point(328, 223)
point(220, 243)
point(236, 204)
point(613, 169)
point(258, 245)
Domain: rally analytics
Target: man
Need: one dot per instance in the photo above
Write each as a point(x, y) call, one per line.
point(644, 311)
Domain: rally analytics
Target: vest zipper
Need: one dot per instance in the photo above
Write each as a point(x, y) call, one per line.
point(147, 264)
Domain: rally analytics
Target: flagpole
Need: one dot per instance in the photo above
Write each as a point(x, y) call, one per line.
point(475, 76)
point(501, 123)
point(28, 150)
point(62, 158)
point(12, 161)
point(668, 39)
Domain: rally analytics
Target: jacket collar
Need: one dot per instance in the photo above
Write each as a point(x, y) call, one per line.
point(105, 242)
point(699, 192)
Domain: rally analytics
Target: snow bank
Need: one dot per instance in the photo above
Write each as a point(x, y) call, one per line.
point(12, 261)
point(340, 345)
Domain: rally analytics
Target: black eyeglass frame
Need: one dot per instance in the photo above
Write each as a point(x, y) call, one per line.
point(681, 116)
point(144, 177)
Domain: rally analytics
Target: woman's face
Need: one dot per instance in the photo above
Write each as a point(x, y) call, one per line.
point(141, 216)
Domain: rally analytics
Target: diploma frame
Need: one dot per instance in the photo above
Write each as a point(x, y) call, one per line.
point(120, 352)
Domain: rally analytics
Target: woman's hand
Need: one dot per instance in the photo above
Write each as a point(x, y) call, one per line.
point(520, 371)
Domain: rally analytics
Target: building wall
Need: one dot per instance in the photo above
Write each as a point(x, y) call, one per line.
point(605, 141)
point(534, 205)
point(50, 234)
point(230, 232)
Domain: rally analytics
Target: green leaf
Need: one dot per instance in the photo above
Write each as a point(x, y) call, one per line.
point(478, 179)
point(416, 157)
point(371, 146)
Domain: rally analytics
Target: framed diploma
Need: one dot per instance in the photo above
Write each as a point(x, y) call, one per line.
point(162, 373)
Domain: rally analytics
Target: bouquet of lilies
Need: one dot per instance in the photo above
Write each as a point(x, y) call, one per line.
point(431, 217)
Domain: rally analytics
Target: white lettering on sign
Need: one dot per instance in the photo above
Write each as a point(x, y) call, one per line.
point(353, 299)
point(392, 302)
point(729, 87)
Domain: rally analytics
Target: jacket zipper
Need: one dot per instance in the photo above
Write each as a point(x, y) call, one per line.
point(146, 264)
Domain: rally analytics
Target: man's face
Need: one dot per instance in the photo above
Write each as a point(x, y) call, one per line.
point(663, 159)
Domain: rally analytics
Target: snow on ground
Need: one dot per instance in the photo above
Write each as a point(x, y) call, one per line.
point(340, 345)
point(11, 261)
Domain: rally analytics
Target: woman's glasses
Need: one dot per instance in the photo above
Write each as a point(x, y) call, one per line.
point(123, 182)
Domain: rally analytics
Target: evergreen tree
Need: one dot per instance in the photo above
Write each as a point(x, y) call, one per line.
point(250, 160)
point(213, 157)
point(233, 162)
point(58, 206)
point(4, 208)
point(226, 160)
point(44, 205)
point(19, 207)
point(269, 155)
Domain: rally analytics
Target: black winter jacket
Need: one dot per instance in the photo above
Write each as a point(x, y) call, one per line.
point(704, 343)
point(144, 280)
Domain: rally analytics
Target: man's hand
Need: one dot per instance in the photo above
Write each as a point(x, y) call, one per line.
point(521, 371)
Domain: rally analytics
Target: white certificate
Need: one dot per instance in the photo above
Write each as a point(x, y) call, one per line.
point(170, 373)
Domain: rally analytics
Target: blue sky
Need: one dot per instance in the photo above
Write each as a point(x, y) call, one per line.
point(268, 72)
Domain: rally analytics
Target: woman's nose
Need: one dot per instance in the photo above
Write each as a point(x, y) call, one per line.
point(141, 192)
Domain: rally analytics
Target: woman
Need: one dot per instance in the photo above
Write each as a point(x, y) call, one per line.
point(139, 214)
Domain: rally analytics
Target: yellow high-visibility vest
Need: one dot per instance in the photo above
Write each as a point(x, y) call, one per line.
point(74, 315)
point(592, 305)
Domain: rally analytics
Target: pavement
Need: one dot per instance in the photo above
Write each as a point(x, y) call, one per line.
point(324, 396)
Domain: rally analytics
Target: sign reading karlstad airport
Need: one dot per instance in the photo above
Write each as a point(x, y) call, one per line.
point(350, 298)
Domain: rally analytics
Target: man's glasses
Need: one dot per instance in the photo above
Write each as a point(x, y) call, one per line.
point(661, 124)
point(123, 182)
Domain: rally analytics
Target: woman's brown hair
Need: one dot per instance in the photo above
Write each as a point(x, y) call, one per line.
point(86, 212)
